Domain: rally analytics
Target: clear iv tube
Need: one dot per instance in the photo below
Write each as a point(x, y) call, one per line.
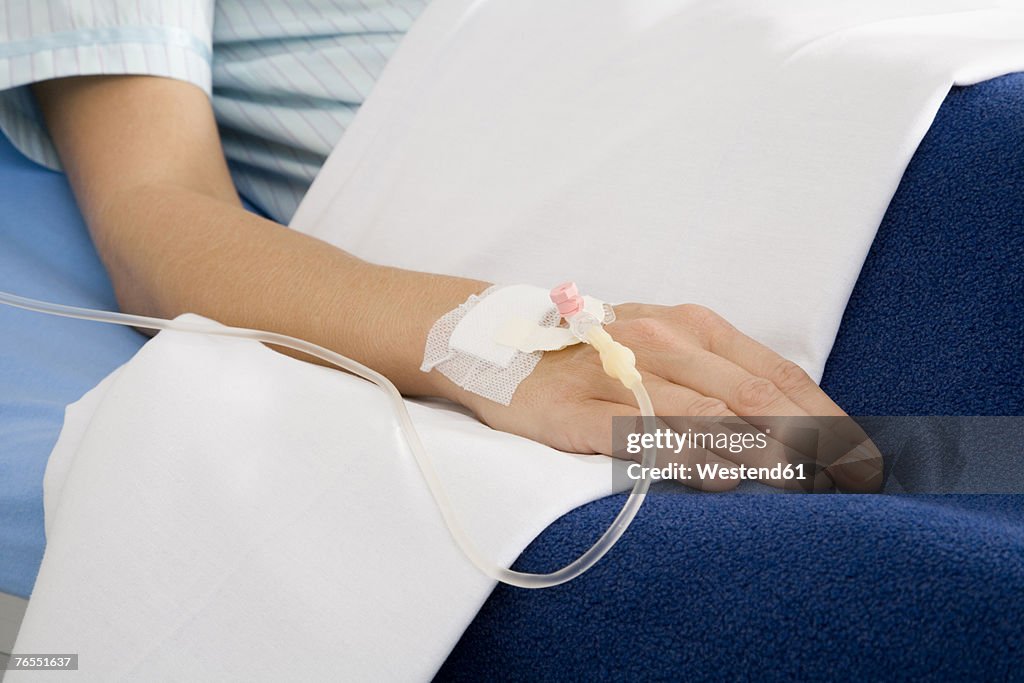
point(464, 542)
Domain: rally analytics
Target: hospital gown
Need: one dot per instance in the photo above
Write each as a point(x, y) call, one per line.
point(286, 77)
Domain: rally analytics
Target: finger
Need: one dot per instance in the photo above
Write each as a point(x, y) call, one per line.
point(749, 395)
point(671, 399)
point(783, 447)
point(795, 383)
point(678, 407)
point(668, 398)
point(813, 443)
point(599, 437)
point(720, 431)
point(790, 378)
point(742, 391)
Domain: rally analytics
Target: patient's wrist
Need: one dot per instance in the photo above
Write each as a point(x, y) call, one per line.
point(399, 309)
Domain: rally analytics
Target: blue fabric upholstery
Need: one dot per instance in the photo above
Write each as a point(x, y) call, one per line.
point(767, 587)
point(758, 587)
point(935, 322)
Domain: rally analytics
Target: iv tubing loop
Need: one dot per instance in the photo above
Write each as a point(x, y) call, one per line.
point(465, 544)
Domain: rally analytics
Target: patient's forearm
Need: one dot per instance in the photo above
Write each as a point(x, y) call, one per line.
point(143, 156)
point(171, 249)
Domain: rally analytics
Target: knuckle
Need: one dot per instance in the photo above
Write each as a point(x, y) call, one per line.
point(789, 376)
point(755, 394)
point(582, 441)
point(700, 318)
point(651, 333)
point(709, 407)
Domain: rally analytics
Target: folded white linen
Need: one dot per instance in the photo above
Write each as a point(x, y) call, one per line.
point(218, 511)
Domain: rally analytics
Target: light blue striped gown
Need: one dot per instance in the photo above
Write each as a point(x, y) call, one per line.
point(286, 76)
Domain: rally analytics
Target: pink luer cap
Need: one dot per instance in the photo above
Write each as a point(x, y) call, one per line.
point(567, 298)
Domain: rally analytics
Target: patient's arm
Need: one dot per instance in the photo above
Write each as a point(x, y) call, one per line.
point(144, 159)
point(145, 162)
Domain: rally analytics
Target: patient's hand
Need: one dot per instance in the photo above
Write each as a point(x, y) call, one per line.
point(694, 363)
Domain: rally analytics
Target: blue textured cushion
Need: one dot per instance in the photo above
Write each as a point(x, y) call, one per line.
point(934, 325)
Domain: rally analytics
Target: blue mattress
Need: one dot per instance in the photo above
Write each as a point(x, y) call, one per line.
point(730, 586)
point(45, 362)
